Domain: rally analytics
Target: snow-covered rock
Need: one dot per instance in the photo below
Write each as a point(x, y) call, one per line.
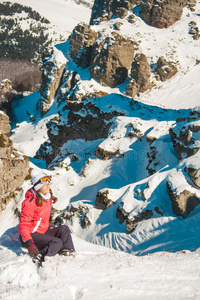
point(52, 71)
point(112, 56)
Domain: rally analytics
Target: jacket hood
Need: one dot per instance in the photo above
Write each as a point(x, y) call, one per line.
point(31, 193)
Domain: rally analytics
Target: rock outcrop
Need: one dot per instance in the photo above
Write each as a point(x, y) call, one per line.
point(89, 124)
point(72, 88)
point(140, 74)
point(13, 165)
point(7, 94)
point(72, 213)
point(165, 69)
point(162, 14)
point(184, 136)
point(85, 121)
point(191, 4)
point(105, 154)
point(194, 175)
point(52, 71)
point(81, 43)
point(131, 223)
point(69, 86)
point(112, 57)
point(121, 214)
point(5, 87)
point(109, 56)
point(4, 123)
point(104, 10)
point(102, 201)
point(194, 30)
point(183, 203)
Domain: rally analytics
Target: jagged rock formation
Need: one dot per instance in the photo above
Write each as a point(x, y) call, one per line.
point(162, 14)
point(85, 121)
point(183, 203)
point(4, 123)
point(105, 154)
point(156, 13)
point(13, 165)
point(131, 223)
point(152, 160)
point(194, 30)
point(5, 87)
point(87, 126)
point(102, 201)
point(73, 89)
point(112, 57)
point(183, 136)
point(165, 69)
point(52, 71)
point(69, 86)
point(121, 214)
point(191, 4)
point(81, 43)
point(194, 175)
point(140, 74)
point(7, 94)
point(72, 213)
point(104, 10)
point(109, 57)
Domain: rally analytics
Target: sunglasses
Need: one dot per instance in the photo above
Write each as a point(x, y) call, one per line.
point(43, 179)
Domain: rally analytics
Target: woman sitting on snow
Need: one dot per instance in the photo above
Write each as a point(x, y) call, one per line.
point(35, 232)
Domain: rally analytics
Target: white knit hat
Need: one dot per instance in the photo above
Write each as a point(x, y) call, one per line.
point(36, 176)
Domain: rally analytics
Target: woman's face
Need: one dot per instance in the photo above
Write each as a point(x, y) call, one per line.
point(45, 189)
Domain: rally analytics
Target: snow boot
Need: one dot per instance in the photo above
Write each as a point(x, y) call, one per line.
point(66, 252)
point(38, 260)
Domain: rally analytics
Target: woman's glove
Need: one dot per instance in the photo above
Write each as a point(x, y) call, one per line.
point(54, 199)
point(32, 249)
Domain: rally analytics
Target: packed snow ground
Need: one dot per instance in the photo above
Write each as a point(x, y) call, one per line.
point(161, 258)
point(97, 272)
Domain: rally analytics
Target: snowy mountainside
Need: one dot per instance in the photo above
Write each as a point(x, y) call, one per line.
point(63, 15)
point(142, 158)
point(141, 161)
point(125, 176)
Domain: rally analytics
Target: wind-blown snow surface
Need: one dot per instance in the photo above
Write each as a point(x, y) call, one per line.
point(97, 272)
point(161, 258)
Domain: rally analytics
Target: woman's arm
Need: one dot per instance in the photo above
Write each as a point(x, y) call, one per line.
point(26, 218)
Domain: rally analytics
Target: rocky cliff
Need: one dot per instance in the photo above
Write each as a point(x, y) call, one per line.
point(110, 56)
point(14, 165)
point(162, 14)
point(156, 13)
point(52, 71)
point(104, 10)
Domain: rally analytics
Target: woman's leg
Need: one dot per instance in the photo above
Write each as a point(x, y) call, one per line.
point(62, 232)
point(47, 244)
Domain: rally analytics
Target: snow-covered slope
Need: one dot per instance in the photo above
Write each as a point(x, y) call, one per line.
point(63, 15)
point(97, 271)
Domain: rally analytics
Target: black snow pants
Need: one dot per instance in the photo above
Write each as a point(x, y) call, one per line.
point(53, 240)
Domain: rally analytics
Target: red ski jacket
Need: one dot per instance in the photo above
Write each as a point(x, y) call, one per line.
point(33, 218)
